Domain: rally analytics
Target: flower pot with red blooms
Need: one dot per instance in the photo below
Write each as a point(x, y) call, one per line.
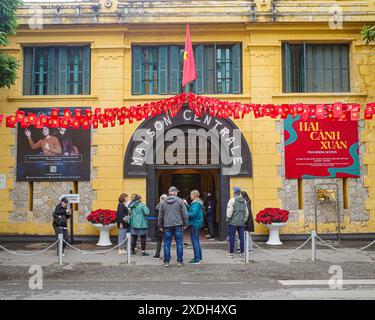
point(104, 220)
point(273, 219)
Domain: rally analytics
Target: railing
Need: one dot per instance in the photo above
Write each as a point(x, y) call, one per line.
point(314, 238)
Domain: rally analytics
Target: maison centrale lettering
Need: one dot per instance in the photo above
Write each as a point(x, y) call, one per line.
point(187, 133)
point(328, 139)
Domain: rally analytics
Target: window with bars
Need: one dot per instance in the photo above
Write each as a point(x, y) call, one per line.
point(56, 70)
point(158, 69)
point(315, 67)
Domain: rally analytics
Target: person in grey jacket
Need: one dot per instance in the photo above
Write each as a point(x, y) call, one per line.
point(237, 216)
point(172, 220)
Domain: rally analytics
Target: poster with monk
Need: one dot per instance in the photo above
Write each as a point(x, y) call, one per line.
point(52, 154)
point(317, 148)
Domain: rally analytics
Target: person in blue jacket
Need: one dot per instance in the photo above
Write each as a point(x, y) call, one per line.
point(195, 215)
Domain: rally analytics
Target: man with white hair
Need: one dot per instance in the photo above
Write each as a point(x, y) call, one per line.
point(172, 220)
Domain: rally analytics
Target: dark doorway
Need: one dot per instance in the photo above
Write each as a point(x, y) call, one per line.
point(203, 180)
point(186, 182)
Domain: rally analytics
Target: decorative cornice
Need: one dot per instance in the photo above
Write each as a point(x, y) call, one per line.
point(195, 11)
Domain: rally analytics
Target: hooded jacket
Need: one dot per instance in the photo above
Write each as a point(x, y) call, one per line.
point(195, 213)
point(172, 213)
point(138, 215)
point(237, 212)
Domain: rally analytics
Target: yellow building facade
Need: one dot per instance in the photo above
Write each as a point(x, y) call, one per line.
point(113, 28)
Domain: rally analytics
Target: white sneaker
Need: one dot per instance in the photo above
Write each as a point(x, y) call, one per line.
point(230, 255)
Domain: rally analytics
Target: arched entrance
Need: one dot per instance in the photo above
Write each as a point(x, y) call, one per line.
point(190, 152)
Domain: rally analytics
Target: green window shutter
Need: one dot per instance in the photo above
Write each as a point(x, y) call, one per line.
point(39, 72)
point(336, 68)
point(209, 70)
point(345, 68)
point(236, 69)
point(287, 68)
point(319, 68)
point(137, 57)
point(174, 70)
point(75, 70)
point(63, 70)
point(327, 68)
point(86, 61)
point(309, 69)
point(51, 76)
point(163, 70)
point(199, 65)
point(28, 62)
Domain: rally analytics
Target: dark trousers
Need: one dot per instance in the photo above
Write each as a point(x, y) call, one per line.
point(232, 237)
point(211, 225)
point(64, 231)
point(134, 242)
point(159, 241)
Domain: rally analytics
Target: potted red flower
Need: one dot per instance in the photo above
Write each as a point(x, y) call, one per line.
point(104, 220)
point(273, 219)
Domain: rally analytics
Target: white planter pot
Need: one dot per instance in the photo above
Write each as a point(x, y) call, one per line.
point(104, 240)
point(274, 235)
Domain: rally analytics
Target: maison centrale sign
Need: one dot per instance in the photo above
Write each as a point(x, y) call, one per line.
point(188, 140)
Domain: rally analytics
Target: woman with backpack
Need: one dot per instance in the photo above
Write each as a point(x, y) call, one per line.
point(139, 224)
point(158, 233)
point(250, 222)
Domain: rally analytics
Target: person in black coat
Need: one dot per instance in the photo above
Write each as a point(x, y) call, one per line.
point(60, 220)
point(158, 233)
point(210, 209)
point(250, 222)
point(122, 219)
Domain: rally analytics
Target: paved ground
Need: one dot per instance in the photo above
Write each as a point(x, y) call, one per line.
point(267, 276)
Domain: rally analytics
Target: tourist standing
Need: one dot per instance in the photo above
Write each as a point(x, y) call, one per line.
point(249, 226)
point(159, 233)
point(195, 216)
point(210, 208)
point(172, 220)
point(139, 224)
point(122, 218)
point(60, 220)
point(236, 217)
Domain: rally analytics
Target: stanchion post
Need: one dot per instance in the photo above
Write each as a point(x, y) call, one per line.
point(246, 236)
point(128, 246)
point(313, 245)
point(60, 244)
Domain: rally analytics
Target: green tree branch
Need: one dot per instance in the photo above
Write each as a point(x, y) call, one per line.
point(368, 34)
point(8, 25)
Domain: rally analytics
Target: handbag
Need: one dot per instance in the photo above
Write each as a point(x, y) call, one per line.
point(126, 219)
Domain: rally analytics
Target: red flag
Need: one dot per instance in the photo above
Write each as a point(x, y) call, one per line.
point(10, 121)
point(189, 73)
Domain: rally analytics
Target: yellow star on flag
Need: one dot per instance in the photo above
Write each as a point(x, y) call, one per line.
point(185, 55)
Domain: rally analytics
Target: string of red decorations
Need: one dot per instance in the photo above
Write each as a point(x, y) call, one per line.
point(199, 104)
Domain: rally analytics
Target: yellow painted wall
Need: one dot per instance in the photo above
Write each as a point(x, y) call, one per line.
point(111, 87)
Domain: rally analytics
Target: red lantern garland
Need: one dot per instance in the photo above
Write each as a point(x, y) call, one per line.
point(200, 105)
point(369, 111)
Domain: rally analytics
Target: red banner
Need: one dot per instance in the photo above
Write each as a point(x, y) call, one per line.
point(320, 148)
